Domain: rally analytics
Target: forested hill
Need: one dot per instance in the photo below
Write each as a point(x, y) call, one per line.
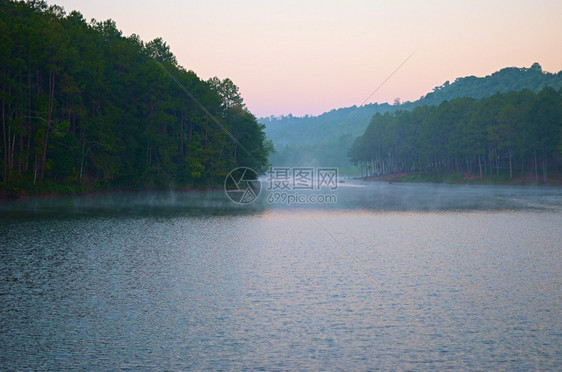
point(514, 134)
point(84, 107)
point(503, 81)
point(308, 130)
point(290, 130)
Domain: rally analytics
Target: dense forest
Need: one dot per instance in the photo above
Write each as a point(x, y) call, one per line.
point(515, 133)
point(505, 80)
point(84, 107)
point(324, 139)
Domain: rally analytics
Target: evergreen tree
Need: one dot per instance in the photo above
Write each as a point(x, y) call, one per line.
point(83, 106)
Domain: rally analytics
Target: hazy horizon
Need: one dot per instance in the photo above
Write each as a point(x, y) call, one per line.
point(301, 58)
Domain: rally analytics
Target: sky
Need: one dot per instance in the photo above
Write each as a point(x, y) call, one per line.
point(307, 57)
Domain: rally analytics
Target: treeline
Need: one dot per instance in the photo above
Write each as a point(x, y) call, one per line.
point(515, 132)
point(84, 107)
point(505, 80)
point(313, 140)
point(327, 127)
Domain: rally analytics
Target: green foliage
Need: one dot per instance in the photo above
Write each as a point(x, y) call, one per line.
point(328, 127)
point(503, 81)
point(493, 136)
point(300, 137)
point(195, 157)
point(83, 107)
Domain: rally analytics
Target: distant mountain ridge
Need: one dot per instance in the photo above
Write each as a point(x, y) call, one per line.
point(309, 130)
point(502, 81)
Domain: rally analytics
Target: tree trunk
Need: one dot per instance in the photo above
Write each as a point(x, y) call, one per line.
point(544, 165)
point(480, 164)
point(20, 158)
point(497, 163)
point(82, 163)
point(181, 135)
point(5, 167)
point(12, 155)
point(28, 152)
point(510, 167)
point(84, 154)
point(536, 170)
point(49, 119)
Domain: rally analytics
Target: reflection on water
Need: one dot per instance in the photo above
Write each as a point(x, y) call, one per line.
point(195, 203)
point(418, 277)
point(357, 195)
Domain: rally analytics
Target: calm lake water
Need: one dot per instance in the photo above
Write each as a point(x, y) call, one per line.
point(391, 276)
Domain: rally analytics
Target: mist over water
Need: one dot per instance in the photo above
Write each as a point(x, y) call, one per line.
point(374, 196)
point(391, 276)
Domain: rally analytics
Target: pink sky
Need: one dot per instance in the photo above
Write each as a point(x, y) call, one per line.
point(308, 57)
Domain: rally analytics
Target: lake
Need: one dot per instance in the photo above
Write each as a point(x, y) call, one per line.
point(389, 276)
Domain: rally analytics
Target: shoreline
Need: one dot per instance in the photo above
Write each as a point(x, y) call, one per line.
point(451, 179)
point(10, 196)
point(555, 180)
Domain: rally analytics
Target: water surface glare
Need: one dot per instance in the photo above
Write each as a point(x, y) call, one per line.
point(407, 277)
